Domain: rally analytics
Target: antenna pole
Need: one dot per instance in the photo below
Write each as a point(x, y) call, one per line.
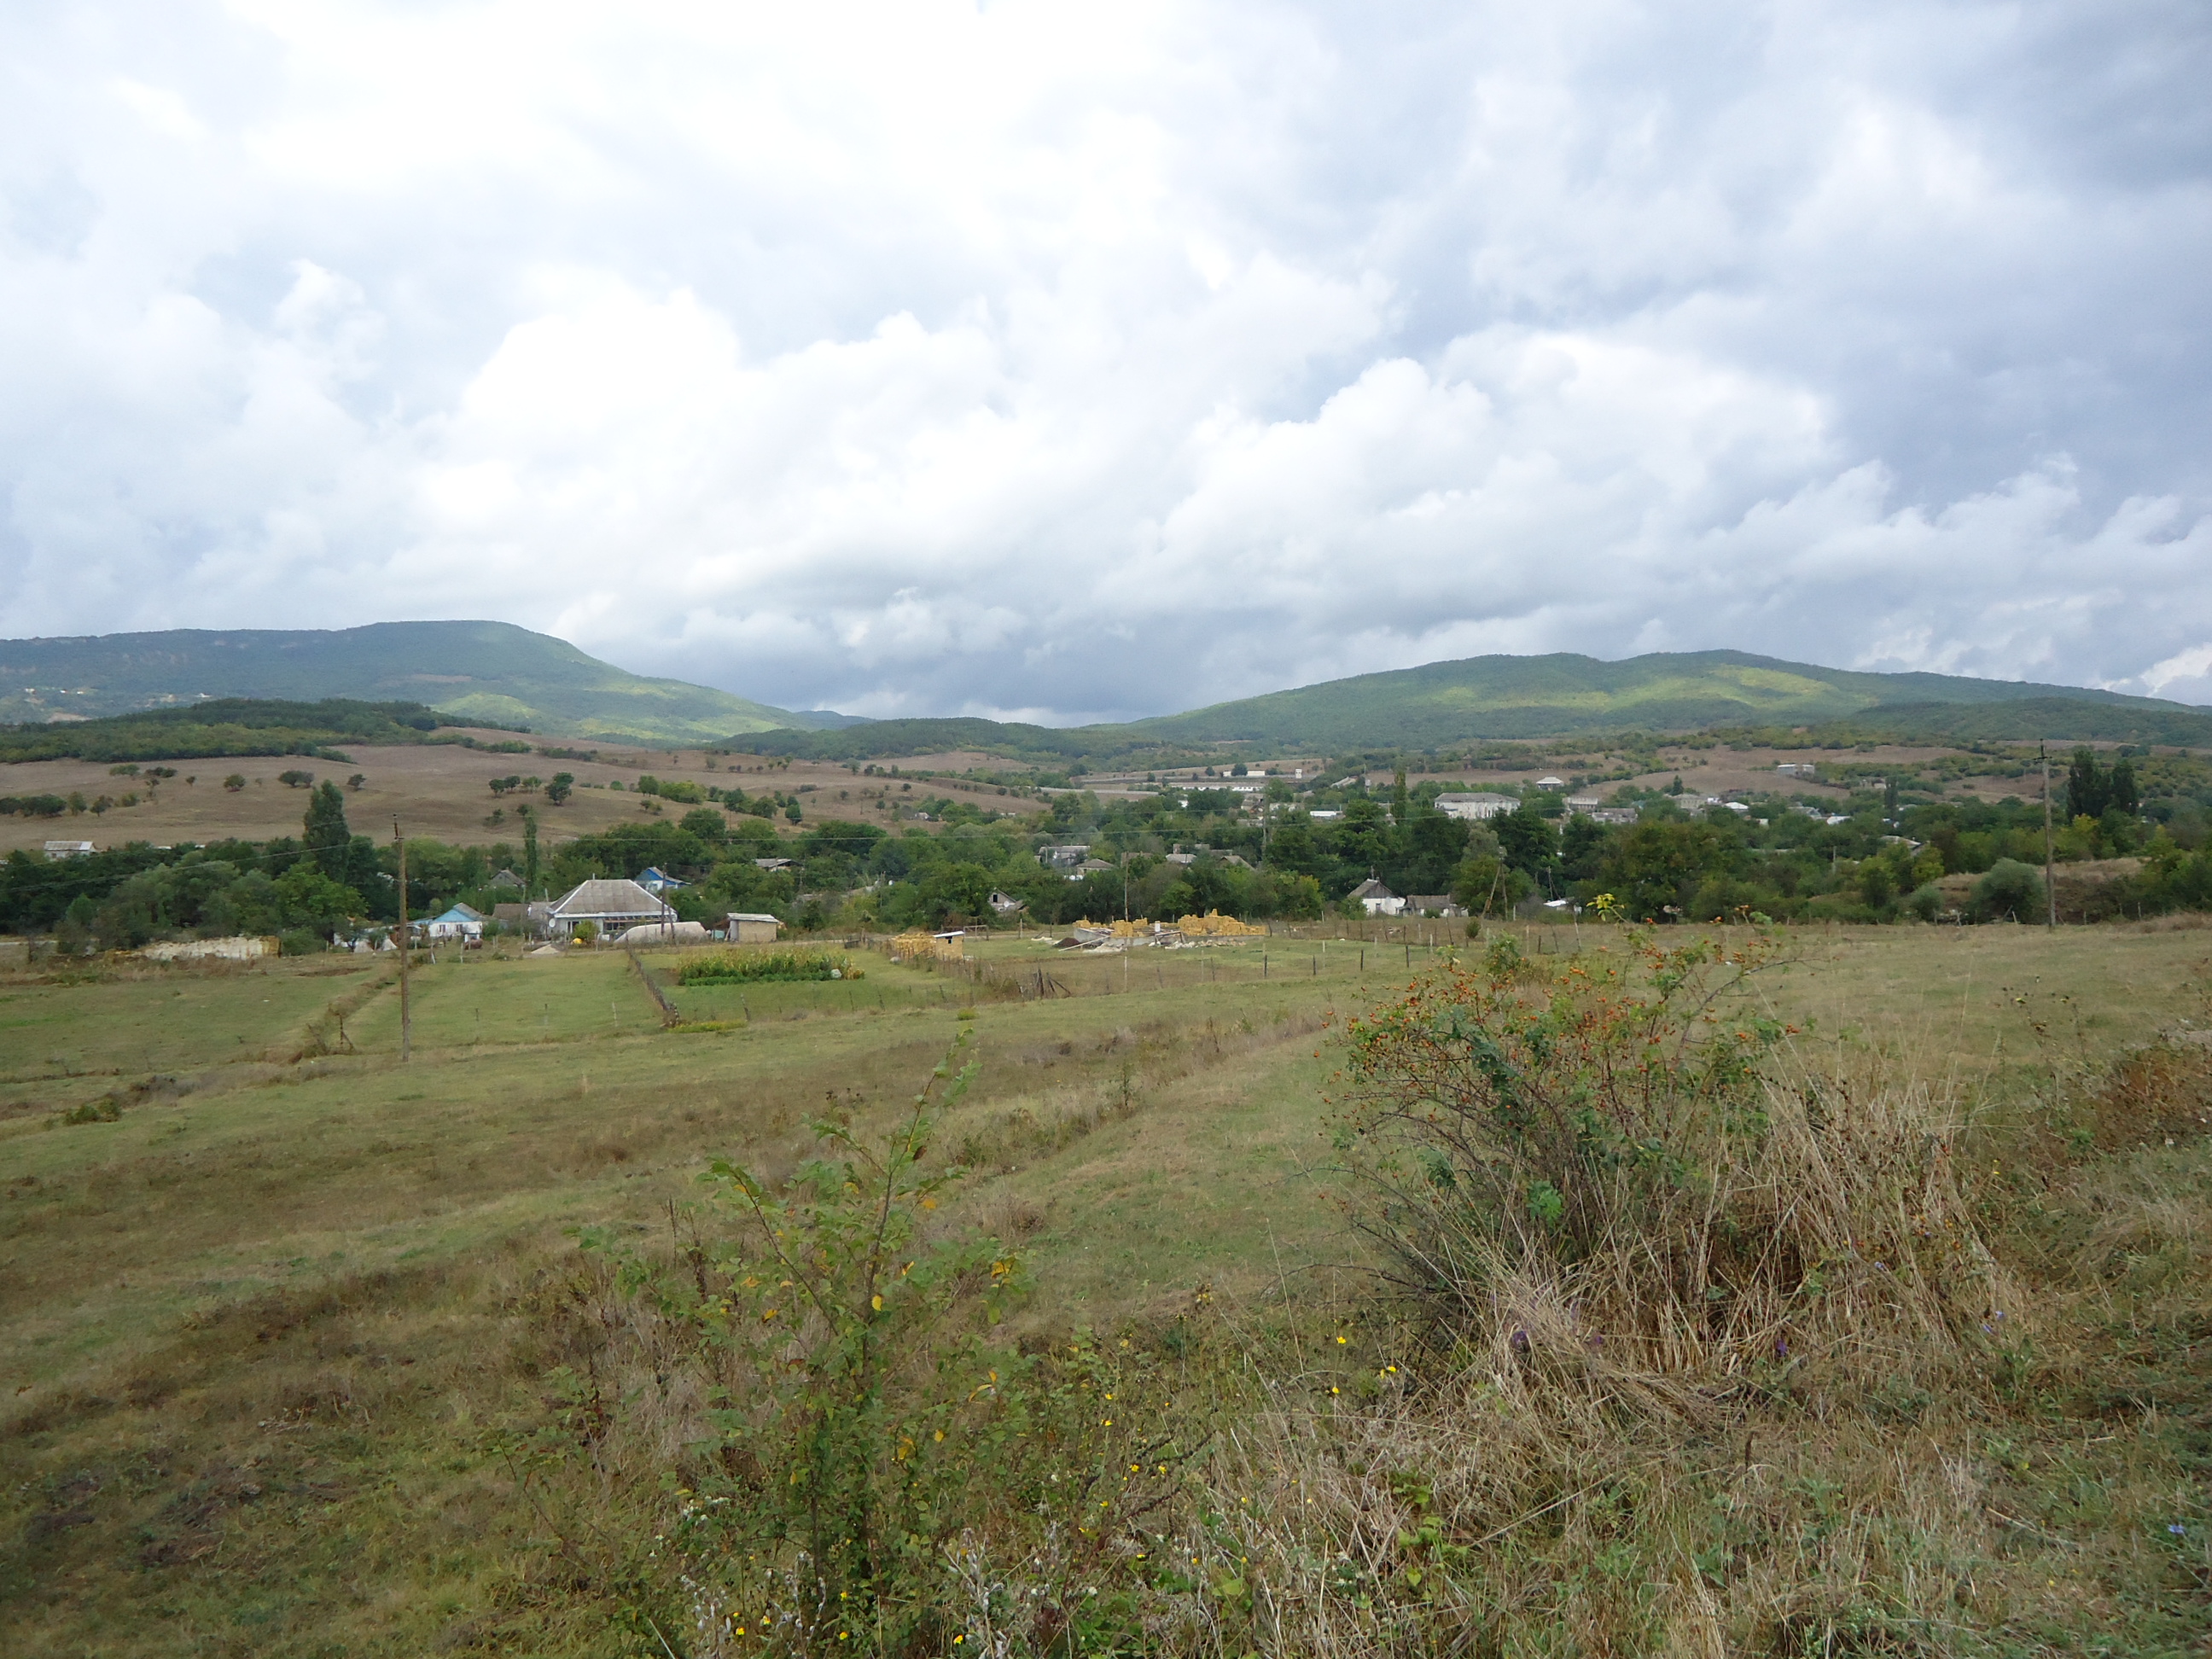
point(2049, 886)
point(406, 1014)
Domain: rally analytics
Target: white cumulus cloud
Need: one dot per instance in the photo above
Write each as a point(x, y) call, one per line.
point(1074, 361)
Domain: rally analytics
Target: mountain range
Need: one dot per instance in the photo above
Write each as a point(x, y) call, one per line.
point(496, 674)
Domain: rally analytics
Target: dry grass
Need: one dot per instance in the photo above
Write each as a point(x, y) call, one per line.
point(329, 1279)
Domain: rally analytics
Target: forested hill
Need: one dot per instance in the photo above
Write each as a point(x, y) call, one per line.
point(487, 672)
point(1441, 705)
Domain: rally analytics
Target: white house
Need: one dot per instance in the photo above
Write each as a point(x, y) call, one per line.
point(1475, 807)
point(70, 849)
point(460, 922)
point(1377, 900)
point(1005, 904)
point(611, 906)
point(751, 927)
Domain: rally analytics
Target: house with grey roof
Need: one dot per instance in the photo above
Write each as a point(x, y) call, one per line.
point(1376, 899)
point(611, 906)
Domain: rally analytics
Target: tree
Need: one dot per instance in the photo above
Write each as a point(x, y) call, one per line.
point(529, 855)
point(325, 833)
point(355, 781)
point(1654, 869)
point(2121, 794)
point(295, 779)
point(234, 782)
point(1527, 839)
point(2088, 787)
point(707, 822)
point(557, 790)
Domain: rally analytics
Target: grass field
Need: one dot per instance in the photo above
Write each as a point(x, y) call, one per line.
point(256, 1328)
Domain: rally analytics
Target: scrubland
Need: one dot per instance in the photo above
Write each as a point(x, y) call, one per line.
point(1253, 1317)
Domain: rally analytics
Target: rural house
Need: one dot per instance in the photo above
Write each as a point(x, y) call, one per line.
point(460, 922)
point(657, 881)
point(751, 927)
point(1376, 899)
point(611, 905)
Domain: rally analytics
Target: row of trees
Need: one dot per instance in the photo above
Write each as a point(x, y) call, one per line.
point(1775, 860)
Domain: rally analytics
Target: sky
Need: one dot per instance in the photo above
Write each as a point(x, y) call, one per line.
point(1064, 362)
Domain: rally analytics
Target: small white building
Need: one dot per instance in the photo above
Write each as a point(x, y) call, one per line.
point(460, 922)
point(1377, 900)
point(70, 849)
point(1005, 904)
point(751, 927)
point(1476, 808)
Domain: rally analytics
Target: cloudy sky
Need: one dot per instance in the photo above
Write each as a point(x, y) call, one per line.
point(1069, 361)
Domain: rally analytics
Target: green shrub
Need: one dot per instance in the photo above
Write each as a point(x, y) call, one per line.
point(2011, 891)
point(855, 1462)
point(749, 967)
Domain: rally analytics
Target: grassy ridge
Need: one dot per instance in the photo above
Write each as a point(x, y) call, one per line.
point(2064, 720)
point(227, 726)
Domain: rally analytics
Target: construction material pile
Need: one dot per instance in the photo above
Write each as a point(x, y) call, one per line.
point(1214, 925)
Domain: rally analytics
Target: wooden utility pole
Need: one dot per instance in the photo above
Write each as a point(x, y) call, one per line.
point(406, 1014)
point(2049, 886)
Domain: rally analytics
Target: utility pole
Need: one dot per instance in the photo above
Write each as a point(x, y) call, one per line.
point(406, 1014)
point(2050, 887)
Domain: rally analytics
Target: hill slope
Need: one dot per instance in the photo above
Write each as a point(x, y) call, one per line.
point(487, 671)
point(1444, 704)
point(1447, 702)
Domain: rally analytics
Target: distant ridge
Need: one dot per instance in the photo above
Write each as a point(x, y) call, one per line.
point(488, 671)
point(1445, 705)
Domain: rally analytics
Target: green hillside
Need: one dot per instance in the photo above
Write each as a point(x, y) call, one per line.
point(1447, 702)
point(485, 671)
point(1440, 705)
